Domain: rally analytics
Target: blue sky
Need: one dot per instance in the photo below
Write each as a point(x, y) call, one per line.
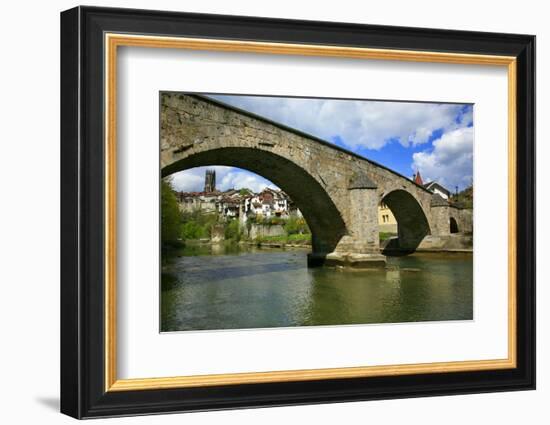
point(434, 138)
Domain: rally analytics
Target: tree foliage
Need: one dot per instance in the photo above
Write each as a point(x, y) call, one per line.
point(245, 191)
point(197, 225)
point(170, 219)
point(465, 198)
point(295, 226)
point(233, 231)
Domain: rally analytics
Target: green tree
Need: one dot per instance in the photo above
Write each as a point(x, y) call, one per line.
point(296, 225)
point(197, 225)
point(170, 216)
point(233, 231)
point(465, 198)
point(193, 230)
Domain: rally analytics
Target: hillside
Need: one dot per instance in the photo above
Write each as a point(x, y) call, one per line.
point(465, 198)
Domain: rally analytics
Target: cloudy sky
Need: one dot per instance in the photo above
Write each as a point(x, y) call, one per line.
point(434, 138)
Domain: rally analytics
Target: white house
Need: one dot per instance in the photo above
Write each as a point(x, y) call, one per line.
point(435, 187)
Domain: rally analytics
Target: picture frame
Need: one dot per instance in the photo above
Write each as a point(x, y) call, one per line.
point(90, 39)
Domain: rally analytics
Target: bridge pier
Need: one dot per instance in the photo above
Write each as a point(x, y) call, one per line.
point(440, 210)
point(360, 248)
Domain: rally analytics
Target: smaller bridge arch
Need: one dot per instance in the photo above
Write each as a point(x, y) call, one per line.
point(412, 223)
point(453, 224)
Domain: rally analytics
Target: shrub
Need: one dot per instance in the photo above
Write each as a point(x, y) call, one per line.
point(197, 225)
point(233, 230)
point(193, 230)
point(386, 235)
point(170, 215)
point(296, 225)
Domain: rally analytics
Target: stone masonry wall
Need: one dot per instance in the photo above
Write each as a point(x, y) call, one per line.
point(265, 230)
point(464, 219)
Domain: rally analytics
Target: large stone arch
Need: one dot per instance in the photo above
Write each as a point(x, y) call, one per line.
point(323, 217)
point(412, 223)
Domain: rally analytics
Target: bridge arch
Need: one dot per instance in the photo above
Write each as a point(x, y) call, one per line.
point(412, 223)
point(323, 217)
point(453, 225)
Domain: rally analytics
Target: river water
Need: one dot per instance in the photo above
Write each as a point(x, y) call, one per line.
point(240, 287)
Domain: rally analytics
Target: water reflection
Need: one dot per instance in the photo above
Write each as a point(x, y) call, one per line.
point(259, 288)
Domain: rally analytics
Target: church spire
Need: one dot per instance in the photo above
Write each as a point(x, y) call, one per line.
point(418, 179)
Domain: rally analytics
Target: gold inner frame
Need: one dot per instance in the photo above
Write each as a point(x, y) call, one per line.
point(113, 41)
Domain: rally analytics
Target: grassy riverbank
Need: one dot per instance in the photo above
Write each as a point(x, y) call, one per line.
point(384, 236)
point(295, 239)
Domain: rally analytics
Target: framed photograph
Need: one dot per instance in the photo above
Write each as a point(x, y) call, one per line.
point(261, 212)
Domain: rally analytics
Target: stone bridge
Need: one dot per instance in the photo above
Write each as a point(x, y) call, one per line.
point(337, 191)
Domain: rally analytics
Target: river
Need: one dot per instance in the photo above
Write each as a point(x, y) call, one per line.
point(228, 286)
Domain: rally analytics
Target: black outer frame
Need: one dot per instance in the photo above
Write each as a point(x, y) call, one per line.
point(82, 212)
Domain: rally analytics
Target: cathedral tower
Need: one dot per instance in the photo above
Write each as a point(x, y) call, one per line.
point(210, 181)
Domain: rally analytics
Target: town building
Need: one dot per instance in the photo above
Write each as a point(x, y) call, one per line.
point(435, 187)
point(386, 220)
point(235, 203)
point(203, 202)
point(432, 186)
point(267, 203)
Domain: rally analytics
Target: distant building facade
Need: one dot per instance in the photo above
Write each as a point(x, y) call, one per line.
point(203, 202)
point(386, 220)
point(267, 203)
point(235, 203)
point(435, 187)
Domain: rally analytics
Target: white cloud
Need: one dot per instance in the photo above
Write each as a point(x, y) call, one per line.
point(187, 182)
point(450, 162)
point(370, 124)
point(244, 179)
point(192, 180)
